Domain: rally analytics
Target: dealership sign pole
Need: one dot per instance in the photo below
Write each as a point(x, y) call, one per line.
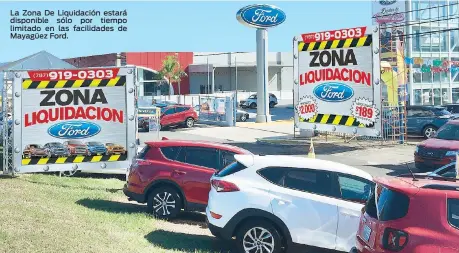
point(337, 81)
point(261, 16)
point(73, 119)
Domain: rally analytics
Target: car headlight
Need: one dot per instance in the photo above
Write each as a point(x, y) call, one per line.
point(451, 153)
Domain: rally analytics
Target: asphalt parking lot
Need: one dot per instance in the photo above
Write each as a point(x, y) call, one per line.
point(376, 159)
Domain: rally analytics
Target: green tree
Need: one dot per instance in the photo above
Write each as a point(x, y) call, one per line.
point(172, 70)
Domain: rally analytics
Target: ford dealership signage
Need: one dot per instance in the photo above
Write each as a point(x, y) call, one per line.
point(74, 130)
point(261, 16)
point(333, 92)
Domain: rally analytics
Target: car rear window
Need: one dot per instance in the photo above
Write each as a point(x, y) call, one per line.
point(386, 204)
point(453, 212)
point(231, 169)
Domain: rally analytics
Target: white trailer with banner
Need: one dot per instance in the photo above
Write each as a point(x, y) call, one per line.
point(71, 119)
point(337, 81)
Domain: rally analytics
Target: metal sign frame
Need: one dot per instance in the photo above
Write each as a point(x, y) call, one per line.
point(376, 74)
point(131, 128)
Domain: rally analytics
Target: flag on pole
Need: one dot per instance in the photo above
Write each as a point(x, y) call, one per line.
point(311, 153)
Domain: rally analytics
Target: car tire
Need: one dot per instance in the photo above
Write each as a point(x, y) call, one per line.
point(429, 131)
point(271, 104)
point(266, 234)
point(253, 105)
point(157, 200)
point(243, 118)
point(189, 122)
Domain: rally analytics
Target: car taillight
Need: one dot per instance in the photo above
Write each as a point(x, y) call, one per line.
point(224, 186)
point(394, 240)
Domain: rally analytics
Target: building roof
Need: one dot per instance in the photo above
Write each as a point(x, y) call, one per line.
point(40, 60)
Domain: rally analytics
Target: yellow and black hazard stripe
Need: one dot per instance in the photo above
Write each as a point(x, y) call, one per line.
point(333, 44)
point(332, 119)
point(28, 84)
point(76, 159)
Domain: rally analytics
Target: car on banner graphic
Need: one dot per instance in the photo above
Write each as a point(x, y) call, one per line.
point(34, 150)
point(76, 147)
point(115, 149)
point(96, 148)
point(56, 149)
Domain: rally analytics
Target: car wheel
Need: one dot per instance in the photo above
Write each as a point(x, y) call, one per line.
point(259, 236)
point(243, 118)
point(164, 203)
point(189, 123)
point(271, 104)
point(429, 131)
point(253, 105)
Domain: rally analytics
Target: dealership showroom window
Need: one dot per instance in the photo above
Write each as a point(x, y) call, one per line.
point(430, 85)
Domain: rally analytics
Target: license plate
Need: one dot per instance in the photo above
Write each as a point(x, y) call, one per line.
point(366, 233)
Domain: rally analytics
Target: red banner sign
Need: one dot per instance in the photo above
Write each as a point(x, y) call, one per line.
point(73, 74)
point(350, 33)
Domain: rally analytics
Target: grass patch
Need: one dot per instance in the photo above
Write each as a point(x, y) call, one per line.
point(46, 213)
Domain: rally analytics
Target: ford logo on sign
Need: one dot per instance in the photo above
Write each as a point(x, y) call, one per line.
point(74, 130)
point(333, 92)
point(387, 2)
point(261, 16)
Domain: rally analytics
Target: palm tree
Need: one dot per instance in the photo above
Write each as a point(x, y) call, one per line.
point(172, 70)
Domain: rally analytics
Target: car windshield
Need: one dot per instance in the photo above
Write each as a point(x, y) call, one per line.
point(448, 132)
point(110, 144)
point(448, 170)
point(35, 146)
point(55, 144)
point(441, 111)
point(253, 96)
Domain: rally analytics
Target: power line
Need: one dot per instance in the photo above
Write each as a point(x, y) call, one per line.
point(416, 22)
point(423, 33)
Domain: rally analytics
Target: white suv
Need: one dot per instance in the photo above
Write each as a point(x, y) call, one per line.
point(271, 203)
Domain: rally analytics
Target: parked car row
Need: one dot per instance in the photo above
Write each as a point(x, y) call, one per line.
point(72, 148)
point(172, 115)
point(273, 203)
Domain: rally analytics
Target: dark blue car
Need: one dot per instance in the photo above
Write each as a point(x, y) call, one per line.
point(96, 148)
point(426, 120)
point(421, 120)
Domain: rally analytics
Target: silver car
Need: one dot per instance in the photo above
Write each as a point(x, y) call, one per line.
point(251, 101)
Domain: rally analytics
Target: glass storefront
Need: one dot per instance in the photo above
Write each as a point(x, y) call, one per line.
point(435, 52)
point(152, 83)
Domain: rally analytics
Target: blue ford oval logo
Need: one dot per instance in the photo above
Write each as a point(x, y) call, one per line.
point(74, 130)
point(387, 2)
point(261, 16)
point(333, 92)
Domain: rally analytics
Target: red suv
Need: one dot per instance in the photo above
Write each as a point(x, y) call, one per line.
point(175, 115)
point(171, 175)
point(439, 150)
point(410, 215)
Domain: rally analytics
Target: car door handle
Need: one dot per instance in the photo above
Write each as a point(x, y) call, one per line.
point(179, 172)
point(283, 201)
